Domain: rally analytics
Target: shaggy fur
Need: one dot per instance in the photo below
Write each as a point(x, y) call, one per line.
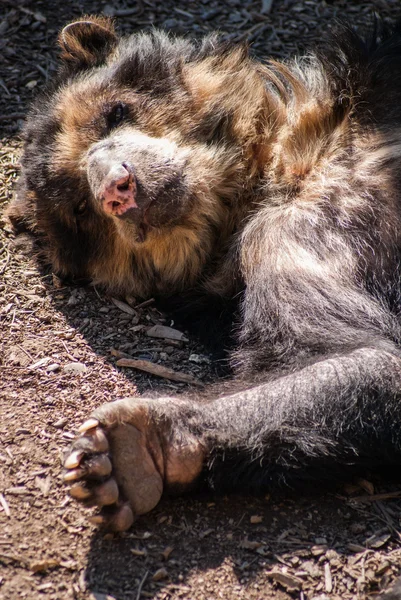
point(274, 184)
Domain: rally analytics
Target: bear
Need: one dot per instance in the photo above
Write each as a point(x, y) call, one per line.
point(267, 191)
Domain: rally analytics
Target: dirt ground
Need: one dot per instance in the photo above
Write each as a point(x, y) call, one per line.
point(56, 365)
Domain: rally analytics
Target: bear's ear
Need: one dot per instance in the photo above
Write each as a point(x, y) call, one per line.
point(88, 42)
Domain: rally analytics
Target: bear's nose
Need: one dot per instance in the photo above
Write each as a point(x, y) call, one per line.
point(119, 190)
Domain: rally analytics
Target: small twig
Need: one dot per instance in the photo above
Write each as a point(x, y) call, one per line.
point(376, 497)
point(158, 370)
point(70, 356)
point(255, 29)
point(390, 523)
point(145, 303)
point(126, 12)
point(138, 594)
point(25, 352)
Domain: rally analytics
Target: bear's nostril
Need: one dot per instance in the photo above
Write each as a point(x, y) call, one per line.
point(124, 185)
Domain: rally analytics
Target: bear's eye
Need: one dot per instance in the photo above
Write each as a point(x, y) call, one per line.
point(116, 115)
point(80, 208)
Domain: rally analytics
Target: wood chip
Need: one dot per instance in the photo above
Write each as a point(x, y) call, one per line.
point(168, 333)
point(266, 7)
point(5, 506)
point(160, 574)
point(255, 519)
point(40, 363)
point(137, 552)
point(60, 423)
point(39, 566)
point(367, 486)
point(328, 582)
point(124, 307)
point(289, 582)
point(377, 497)
point(166, 552)
point(158, 370)
point(356, 547)
point(377, 541)
point(43, 485)
point(18, 491)
point(75, 367)
point(318, 550)
point(250, 545)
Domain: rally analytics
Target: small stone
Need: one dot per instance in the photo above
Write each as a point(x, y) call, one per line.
point(75, 367)
point(53, 367)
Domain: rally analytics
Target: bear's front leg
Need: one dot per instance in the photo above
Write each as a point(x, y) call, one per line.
point(130, 452)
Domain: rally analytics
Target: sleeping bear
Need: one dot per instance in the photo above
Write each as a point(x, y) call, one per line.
point(266, 191)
